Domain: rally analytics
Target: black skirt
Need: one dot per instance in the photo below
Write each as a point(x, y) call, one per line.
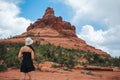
point(27, 63)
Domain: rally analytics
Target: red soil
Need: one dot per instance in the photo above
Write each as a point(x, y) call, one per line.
point(13, 74)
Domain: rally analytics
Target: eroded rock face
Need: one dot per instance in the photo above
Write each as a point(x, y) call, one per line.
point(49, 19)
point(31, 26)
point(49, 13)
point(52, 29)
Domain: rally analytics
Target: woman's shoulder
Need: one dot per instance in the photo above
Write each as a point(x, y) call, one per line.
point(30, 47)
point(24, 47)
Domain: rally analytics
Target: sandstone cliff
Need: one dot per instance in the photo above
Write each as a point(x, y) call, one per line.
point(52, 29)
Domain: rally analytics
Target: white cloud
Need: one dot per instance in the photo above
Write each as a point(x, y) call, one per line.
point(94, 38)
point(10, 21)
point(88, 33)
point(105, 40)
point(13, 1)
point(106, 13)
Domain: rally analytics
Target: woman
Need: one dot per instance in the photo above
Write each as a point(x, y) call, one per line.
point(26, 53)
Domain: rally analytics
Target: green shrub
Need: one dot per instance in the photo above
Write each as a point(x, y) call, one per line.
point(3, 67)
point(48, 52)
point(55, 66)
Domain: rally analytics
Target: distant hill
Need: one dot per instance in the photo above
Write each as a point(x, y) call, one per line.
point(52, 29)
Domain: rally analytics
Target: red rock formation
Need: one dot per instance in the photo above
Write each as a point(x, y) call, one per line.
point(49, 19)
point(31, 26)
point(52, 29)
point(49, 13)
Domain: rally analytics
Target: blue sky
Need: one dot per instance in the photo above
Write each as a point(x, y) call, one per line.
point(34, 9)
point(97, 21)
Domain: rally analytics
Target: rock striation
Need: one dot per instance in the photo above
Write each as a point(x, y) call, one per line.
point(49, 19)
point(52, 29)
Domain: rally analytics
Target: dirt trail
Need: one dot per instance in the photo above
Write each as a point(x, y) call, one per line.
point(64, 75)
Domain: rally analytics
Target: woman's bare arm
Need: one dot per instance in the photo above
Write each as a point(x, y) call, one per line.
point(20, 54)
point(32, 55)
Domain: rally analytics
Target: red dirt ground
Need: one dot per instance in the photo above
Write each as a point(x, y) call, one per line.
point(14, 74)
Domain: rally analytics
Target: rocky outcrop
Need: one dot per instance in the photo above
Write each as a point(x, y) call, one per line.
point(49, 13)
point(52, 29)
point(94, 68)
point(31, 26)
point(49, 19)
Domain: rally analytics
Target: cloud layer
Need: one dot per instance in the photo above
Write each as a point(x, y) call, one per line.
point(98, 12)
point(106, 13)
point(10, 22)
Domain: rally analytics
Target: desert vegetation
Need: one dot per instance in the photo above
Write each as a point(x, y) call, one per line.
point(48, 52)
